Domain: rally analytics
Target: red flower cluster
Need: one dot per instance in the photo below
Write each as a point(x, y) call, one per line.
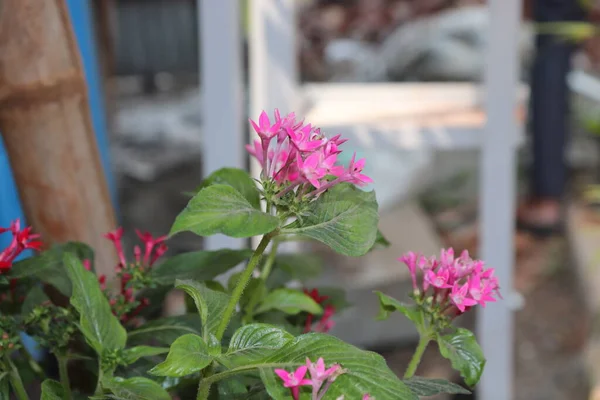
point(325, 324)
point(21, 241)
point(132, 275)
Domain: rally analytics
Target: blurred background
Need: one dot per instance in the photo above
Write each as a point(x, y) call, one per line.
point(402, 79)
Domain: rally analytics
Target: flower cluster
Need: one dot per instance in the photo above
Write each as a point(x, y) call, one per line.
point(326, 323)
point(22, 240)
point(321, 378)
point(452, 285)
point(133, 276)
point(297, 156)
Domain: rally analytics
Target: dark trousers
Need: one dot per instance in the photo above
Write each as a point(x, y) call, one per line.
point(550, 99)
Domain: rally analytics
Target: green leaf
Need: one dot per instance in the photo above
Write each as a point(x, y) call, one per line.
point(135, 353)
point(367, 372)
point(289, 301)
point(210, 304)
point(49, 265)
point(101, 328)
point(35, 297)
point(239, 179)
point(464, 353)
point(380, 241)
point(431, 387)
point(388, 305)
point(301, 267)
point(344, 218)
point(254, 342)
point(52, 390)
point(136, 389)
point(222, 209)
point(187, 355)
point(166, 330)
point(198, 265)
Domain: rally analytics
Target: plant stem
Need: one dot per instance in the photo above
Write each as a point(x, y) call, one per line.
point(15, 380)
point(241, 285)
point(270, 261)
point(99, 390)
point(63, 372)
point(416, 358)
point(204, 384)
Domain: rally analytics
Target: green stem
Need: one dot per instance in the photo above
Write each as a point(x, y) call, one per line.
point(241, 285)
point(203, 388)
point(270, 261)
point(15, 380)
point(416, 358)
point(208, 381)
point(63, 372)
point(99, 390)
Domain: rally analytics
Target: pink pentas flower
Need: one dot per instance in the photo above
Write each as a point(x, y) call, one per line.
point(264, 128)
point(438, 279)
point(367, 396)
point(299, 158)
point(451, 284)
point(294, 380)
point(459, 297)
point(318, 372)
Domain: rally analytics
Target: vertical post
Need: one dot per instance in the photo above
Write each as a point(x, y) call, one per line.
point(497, 194)
point(273, 63)
point(222, 88)
point(47, 128)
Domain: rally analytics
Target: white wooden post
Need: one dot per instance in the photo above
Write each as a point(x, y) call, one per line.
point(222, 93)
point(497, 195)
point(272, 50)
point(273, 63)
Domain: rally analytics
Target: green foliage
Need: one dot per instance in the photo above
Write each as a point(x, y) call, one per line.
point(238, 179)
point(461, 348)
point(188, 354)
point(197, 265)
point(367, 372)
point(388, 304)
point(222, 209)
point(254, 342)
point(165, 331)
point(431, 387)
point(49, 266)
point(344, 218)
point(136, 389)
point(289, 301)
point(210, 304)
point(52, 390)
point(101, 329)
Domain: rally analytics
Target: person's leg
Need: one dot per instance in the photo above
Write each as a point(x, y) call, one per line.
point(549, 116)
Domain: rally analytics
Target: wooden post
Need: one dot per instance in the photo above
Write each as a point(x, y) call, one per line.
point(46, 126)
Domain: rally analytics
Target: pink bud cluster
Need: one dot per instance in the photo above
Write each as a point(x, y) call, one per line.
point(321, 378)
point(22, 240)
point(454, 284)
point(297, 155)
point(326, 323)
point(131, 275)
